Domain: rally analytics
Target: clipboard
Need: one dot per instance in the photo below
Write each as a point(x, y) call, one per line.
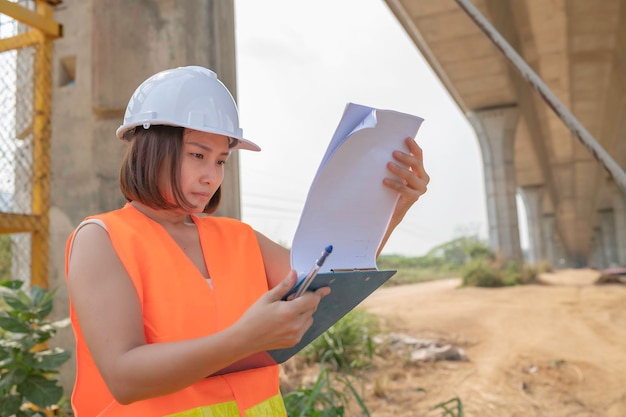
point(348, 289)
point(348, 207)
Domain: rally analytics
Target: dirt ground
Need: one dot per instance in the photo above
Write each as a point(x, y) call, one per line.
point(556, 349)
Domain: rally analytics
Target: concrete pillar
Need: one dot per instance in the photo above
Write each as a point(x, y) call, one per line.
point(619, 211)
point(548, 236)
point(609, 243)
point(598, 253)
point(109, 47)
point(532, 196)
point(495, 129)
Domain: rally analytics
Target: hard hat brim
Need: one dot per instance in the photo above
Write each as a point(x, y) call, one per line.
point(241, 142)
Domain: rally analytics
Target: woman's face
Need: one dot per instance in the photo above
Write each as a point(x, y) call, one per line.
point(202, 166)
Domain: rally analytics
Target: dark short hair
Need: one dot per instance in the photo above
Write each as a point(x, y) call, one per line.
point(150, 152)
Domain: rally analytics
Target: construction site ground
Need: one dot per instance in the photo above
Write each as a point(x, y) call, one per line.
point(554, 349)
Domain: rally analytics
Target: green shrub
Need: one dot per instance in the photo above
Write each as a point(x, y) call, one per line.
point(481, 273)
point(511, 274)
point(348, 344)
point(330, 396)
point(28, 368)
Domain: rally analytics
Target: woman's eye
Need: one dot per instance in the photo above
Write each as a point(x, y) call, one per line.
point(197, 155)
point(221, 162)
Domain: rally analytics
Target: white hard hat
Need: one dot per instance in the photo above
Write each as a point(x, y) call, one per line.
point(190, 97)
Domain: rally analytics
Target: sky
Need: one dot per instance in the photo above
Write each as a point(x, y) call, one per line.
point(298, 65)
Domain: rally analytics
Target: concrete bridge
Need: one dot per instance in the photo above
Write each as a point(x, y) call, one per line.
point(576, 210)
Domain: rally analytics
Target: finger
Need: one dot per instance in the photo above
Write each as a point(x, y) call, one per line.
point(323, 292)
point(278, 292)
point(309, 302)
point(406, 176)
point(412, 161)
point(414, 148)
point(414, 172)
point(409, 185)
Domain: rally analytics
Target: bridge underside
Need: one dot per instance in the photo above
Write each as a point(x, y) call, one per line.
point(578, 48)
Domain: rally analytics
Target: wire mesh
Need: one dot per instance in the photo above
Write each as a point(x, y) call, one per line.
point(25, 104)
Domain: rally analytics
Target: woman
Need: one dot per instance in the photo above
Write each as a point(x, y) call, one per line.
point(161, 298)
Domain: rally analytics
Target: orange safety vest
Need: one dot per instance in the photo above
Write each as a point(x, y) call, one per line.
point(178, 304)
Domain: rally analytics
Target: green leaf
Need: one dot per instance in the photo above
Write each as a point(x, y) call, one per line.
point(10, 405)
point(44, 303)
point(4, 351)
point(11, 378)
point(28, 359)
point(40, 391)
point(43, 298)
point(15, 303)
point(37, 294)
point(24, 298)
point(11, 324)
point(12, 284)
point(49, 360)
point(44, 311)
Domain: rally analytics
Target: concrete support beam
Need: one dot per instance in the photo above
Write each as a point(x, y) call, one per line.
point(495, 129)
point(606, 222)
point(619, 213)
point(532, 196)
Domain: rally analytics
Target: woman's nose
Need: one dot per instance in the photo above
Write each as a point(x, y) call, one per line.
point(211, 174)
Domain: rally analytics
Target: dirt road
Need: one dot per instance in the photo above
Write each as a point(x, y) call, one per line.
point(553, 350)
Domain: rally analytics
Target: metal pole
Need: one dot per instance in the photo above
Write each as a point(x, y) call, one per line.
point(538, 85)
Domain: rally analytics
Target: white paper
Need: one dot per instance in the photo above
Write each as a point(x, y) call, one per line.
point(347, 205)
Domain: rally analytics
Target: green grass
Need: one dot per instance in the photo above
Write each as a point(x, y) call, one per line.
point(348, 344)
point(330, 396)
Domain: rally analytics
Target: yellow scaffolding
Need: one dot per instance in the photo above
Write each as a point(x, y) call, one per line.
point(27, 29)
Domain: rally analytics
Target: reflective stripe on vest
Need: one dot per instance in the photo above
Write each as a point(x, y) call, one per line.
point(272, 407)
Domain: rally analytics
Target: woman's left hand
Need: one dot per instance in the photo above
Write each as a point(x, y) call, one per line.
point(411, 183)
point(412, 179)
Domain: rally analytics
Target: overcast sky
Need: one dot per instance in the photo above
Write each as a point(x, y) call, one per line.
point(298, 64)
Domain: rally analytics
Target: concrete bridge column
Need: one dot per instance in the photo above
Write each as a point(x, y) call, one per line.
point(619, 214)
point(532, 196)
point(495, 129)
point(598, 254)
point(609, 243)
point(114, 45)
point(549, 241)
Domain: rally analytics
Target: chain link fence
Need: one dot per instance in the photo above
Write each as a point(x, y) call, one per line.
point(25, 104)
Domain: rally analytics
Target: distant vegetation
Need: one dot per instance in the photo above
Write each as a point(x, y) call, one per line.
point(444, 261)
point(468, 258)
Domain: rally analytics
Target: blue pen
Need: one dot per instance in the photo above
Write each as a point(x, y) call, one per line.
point(313, 272)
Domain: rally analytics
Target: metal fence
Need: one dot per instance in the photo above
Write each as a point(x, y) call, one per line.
point(26, 33)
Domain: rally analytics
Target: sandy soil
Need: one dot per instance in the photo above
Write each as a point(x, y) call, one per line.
point(556, 349)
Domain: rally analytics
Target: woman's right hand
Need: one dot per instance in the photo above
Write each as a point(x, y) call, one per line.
point(272, 323)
